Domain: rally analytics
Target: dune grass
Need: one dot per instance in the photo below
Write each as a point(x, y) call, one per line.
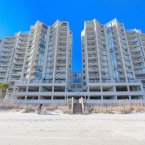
point(99, 108)
point(118, 108)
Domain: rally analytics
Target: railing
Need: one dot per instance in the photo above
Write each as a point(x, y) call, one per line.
point(3, 63)
point(16, 73)
point(3, 69)
point(94, 81)
point(98, 102)
point(47, 81)
point(32, 82)
point(59, 81)
point(115, 81)
point(43, 101)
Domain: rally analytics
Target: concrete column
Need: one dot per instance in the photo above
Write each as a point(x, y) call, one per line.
point(52, 97)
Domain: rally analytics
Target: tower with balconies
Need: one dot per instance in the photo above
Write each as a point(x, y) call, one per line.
point(108, 69)
point(12, 58)
point(136, 42)
point(6, 55)
point(47, 65)
point(38, 61)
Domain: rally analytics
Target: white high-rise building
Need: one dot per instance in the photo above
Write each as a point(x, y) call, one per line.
point(136, 42)
point(108, 67)
point(37, 61)
point(47, 65)
point(37, 64)
point(6, 52)
point(12, 54)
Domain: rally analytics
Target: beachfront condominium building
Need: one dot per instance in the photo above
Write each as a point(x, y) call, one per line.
point(109, 61)
point(12, 54)
point(136, 42)
point(37, 61)
point(38, 64)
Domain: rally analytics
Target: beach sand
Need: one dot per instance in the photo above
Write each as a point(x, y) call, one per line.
point(55, 128)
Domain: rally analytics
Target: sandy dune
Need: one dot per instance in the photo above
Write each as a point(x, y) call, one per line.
point(18, 128)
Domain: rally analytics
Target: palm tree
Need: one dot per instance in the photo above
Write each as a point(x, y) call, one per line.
point(3, 89)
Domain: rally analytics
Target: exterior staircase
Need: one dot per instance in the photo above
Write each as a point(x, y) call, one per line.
point(77, 108)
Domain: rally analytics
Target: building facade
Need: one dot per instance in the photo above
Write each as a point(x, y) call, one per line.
point(109, 67)
point(136, 42)
point(38, 64)
point(38, 61)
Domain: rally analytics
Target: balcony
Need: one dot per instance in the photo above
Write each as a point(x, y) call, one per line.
point(8, 45)
point(94, 81)
point(92, 76)
point(61, 52)
point(15, 78)
point(6, 54)
point(18, 62)
point(16, 73)
point(50, 54)
point(91, 52)
point(92, 59)
point(6, 50)
point(91, 40)
point(93, 69)
point(140, 66)
point(19, 45)
point(60, 76)
point(61, 46)
point(92, 62)
point(2, 76)
point(4, 64)
point(20, 49)
point(60, 61)
point(3, 69)
point(9, 40)
point(63, 34)
point(20, 52)
point(48, 80)
point(50, 60)
point(120, 68)
point(91, 44)
point(17, 67)
point(63, 40)
point(19, 56)
point(90, 37)
point(121, 75)
point(136, 61)
point(104, 70)
point(60, 81)
point(61, 57)
point(139, 72)
point(136, 49)
point(60, 70)
point(49, 70)
point(91, 34)
point(134, 55)
point(4, 60)
point(50, 76)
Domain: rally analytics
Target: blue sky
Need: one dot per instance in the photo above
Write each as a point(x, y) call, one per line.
point(18, 15)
